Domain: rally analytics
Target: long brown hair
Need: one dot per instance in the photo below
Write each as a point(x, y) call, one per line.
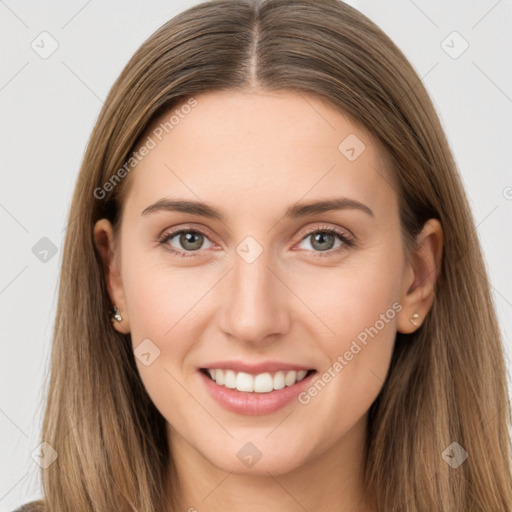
point(447, 381)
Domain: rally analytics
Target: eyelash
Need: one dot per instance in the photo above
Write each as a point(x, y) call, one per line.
point(346, 240)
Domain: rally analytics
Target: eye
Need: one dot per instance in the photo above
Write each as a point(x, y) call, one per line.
point(189, 240)
point(324, 240)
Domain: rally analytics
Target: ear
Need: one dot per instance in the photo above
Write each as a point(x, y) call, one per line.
point(418, 291)
point(104, 240)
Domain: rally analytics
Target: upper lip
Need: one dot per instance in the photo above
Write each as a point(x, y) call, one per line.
point(256, 368)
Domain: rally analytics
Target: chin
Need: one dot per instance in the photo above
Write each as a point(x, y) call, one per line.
point(247, 459)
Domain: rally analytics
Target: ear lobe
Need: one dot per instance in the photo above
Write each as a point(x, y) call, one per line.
point(421, 275)
point(105, 243)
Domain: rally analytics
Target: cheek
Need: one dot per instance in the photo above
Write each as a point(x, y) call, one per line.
point(160, 298)
point(163, 320)
point(358, 304)
point(357, 362)
point(168, 306)
point(351, 296)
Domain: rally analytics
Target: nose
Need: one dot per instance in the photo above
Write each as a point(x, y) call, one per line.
point(256, 309)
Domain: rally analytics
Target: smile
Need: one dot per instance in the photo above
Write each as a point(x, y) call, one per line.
point(261, 383)
point(254, 389)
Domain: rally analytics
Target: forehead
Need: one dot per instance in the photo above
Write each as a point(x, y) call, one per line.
point(259, 151)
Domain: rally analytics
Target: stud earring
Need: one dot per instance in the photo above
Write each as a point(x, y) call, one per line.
point(115, 314)
point(414, 319)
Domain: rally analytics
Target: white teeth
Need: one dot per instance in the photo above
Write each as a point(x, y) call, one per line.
point(261, 383)
point(219, 376)
point(244, 382)
point(290, 378)
point(279, 380)
point(301, 374)
point(229, 379)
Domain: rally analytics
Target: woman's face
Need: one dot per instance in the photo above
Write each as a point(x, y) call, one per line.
point(261, 286)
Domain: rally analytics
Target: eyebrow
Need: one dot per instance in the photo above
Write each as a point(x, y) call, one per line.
point(294, 211)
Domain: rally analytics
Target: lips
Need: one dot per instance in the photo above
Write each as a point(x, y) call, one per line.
point(254, 389)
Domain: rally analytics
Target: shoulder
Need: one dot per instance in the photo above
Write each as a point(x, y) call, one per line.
point(32, 506)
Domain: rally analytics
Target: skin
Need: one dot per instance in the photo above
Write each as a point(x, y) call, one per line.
point(251, 155)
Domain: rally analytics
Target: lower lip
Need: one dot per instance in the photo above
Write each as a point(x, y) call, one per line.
point(254, 404)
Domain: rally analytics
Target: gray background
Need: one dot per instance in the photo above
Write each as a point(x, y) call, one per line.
point(48, 107)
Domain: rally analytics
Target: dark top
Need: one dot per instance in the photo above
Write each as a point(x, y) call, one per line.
point(32, 506)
